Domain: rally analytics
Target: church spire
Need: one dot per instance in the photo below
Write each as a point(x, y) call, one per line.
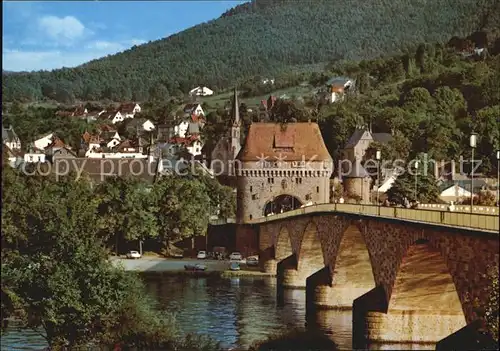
point(235, 108)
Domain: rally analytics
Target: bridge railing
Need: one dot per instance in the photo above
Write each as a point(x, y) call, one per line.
point(460, 208)
point(481, 221)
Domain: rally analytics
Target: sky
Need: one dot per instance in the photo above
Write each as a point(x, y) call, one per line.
point(43, 35)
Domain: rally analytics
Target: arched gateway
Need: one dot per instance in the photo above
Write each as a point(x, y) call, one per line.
point(281, 167)
point(282, 203)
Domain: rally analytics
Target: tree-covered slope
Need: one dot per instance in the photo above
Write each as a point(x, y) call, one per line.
point(258, 38)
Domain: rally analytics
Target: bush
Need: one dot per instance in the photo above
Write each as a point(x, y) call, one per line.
point(296, 340)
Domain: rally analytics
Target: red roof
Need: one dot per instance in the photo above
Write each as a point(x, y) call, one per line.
point(56, 142)
point(86, 137)
point(127, 107)
point(106, 128)
point(184, 141)
point(197, 119)
point(292, 142)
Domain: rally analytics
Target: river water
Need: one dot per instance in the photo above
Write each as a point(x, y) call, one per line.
point(235, 311)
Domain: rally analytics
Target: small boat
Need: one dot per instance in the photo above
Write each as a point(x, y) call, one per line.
point(195, 267)
point(234, 266)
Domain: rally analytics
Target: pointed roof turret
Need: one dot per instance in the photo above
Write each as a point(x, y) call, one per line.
point(235, 110)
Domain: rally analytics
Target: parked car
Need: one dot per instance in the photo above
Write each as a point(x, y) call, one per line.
point(234, 266)
point(133, 254)
point(235, 256)
point(201, 255)
point(252, 261)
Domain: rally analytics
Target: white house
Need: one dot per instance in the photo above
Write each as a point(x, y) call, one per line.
point(194, 109)
point(181, 129)
point(201, 91)
point(94, 154)
point(43, 142)
point(10, 138)
point(454, 193)
point(34, 156)
point(194, 148)
point(115, 117)
point(148, 126)
point(129, 110)
point(191, 143)
point(115, 140)
point(268, 81)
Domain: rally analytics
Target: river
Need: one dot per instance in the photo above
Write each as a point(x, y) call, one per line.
point(235, 311)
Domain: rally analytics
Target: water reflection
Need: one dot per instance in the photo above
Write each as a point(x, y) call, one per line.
point(16, 339)
point(236, 311)
point(336, 324)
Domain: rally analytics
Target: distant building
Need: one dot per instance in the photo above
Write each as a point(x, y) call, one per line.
point(44, 141)
point(360, 141)
point(338, 87)
point(193, 109)
point(10, 138)
point(148, 126)
point(201, 91)
point(129, 109)
point(228, 147)
point(98, 170)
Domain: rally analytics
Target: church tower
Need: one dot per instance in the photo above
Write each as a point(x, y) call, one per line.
point(235, 127)
point(235, 138)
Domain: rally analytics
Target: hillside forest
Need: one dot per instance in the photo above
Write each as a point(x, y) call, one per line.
point(269, 38)
point(430, 100)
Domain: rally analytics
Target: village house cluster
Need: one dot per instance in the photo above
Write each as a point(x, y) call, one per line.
point(167, 146)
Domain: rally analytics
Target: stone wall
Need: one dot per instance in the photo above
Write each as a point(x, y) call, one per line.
point(256, 190)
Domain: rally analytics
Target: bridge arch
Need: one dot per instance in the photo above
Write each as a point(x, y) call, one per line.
point(282, 203)
point(310, 255)
point(424, 304)
point(352, 273)
point(283, 247)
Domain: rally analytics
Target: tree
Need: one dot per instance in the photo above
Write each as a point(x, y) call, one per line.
point(127, 212)
point(422, 188)
point(183, 208)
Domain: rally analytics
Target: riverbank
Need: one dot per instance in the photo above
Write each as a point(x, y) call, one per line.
point(175, 267)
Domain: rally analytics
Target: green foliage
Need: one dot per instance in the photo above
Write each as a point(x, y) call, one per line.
point(183, 208)
point(267, 38)
point(127, 212)
point(55, 269)
point(420, 187)
point(296, 340)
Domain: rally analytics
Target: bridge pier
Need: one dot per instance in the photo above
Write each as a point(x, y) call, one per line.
point(288, 275)
point(267, 262)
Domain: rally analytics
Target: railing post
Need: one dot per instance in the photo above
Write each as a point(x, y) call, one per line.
point(395, 212)
point(442, 217)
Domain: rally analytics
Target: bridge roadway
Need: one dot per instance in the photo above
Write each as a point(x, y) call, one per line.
point(482, 218)
point(409, 275)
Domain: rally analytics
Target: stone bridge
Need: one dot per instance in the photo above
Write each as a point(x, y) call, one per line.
point(408, 275)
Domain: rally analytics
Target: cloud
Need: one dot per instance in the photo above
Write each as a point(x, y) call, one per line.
point(62, 29)
point(27, 60)
point(105, 46)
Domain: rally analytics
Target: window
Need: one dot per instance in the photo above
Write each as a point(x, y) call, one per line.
point(251, 188)
point(270, 180)
point(255, 196)
point(250, 216)
point(298, 180)
point(308, 196)
point(317, 189)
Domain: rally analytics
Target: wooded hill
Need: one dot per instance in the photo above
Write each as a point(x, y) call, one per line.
point(261, 37)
